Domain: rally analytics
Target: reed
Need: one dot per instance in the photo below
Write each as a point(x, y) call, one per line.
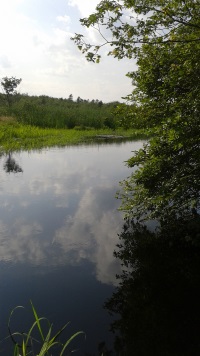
point(16, 137)
point(46, 341)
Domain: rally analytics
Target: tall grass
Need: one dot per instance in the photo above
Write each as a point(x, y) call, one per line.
point(15, 136)
point(50, 112)
point(39, 340)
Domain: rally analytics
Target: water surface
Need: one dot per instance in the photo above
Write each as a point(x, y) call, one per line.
point(59, 224)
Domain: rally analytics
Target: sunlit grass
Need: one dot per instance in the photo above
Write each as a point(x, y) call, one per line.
point(15, 136)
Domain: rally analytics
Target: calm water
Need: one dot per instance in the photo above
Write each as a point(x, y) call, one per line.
point(58, 229)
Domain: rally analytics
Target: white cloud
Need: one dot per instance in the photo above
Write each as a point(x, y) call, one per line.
point(65, 19)
point(36, 46)
point(4, 62)
point(64, 23)
point(86, 7)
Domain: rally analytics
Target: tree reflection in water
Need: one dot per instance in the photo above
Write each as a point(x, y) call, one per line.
point(158, 299)
point(11, 166)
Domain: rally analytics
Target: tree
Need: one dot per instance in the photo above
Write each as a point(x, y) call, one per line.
point(164, 38)
point(79, 100)
point(9, 85)
point(70, 98)
point(168, 94)
point(157, 301)
point(127, 24)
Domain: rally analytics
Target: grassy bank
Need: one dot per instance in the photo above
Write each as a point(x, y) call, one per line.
point(15, 136)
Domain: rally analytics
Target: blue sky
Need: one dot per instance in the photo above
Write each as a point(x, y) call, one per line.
point(35, 45)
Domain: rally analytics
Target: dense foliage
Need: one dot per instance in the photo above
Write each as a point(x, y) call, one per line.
point(126, 25)
point(44, 111)
point(164, 37)
point(157, 299)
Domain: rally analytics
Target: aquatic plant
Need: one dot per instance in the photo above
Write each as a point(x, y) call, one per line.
point(16, 137)
point(39, 340)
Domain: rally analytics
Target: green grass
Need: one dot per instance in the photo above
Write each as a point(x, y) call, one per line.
point(15, 136)
point(39, 340)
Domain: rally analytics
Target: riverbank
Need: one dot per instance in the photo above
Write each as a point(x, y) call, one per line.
point(15, 136)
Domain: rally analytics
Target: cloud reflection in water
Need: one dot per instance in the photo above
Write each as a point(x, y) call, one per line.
point(62, 210)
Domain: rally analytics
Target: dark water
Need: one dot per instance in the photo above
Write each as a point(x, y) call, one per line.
point(58, 229)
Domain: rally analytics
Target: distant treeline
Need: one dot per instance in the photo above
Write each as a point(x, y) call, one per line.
point(45, 111)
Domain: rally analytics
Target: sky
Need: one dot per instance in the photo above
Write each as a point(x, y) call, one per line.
point(35, 45)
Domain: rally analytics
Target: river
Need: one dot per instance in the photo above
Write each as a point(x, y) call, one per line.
point(59, 225)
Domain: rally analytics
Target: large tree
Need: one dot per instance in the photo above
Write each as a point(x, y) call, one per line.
point(157, 301)
point(168, 93)
point(164, 38)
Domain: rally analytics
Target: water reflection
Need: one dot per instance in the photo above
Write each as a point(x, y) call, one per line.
point(10, 165)
point(63, 210)
point(58, 229)
point(156, 306)
point(91, 232)
point(87, 233)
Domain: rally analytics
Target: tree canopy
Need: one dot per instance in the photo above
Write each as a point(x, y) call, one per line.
point(164, 38)
point(127, 24)
point(9, 85)
point(157, 301)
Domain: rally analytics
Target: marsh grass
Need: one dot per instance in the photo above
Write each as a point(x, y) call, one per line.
point(7, 119)
point(15, 136)
point(39, 340)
